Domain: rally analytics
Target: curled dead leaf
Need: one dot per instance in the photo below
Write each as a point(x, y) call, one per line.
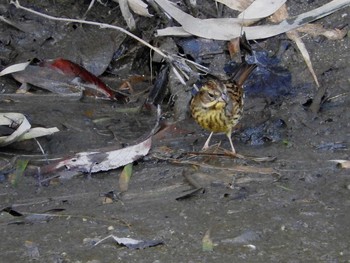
point(21, 128)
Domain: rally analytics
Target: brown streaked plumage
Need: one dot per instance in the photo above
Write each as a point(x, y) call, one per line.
point(218, 106)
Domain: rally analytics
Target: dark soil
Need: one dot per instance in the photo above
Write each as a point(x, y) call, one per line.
point(297, 212)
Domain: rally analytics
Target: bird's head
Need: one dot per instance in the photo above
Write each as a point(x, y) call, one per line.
point(213, 93)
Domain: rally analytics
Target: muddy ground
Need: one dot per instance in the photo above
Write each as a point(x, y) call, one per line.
point(297, 211)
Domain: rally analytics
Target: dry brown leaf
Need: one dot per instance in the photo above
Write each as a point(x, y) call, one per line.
point(318, 30)
point(293, 35)
point(233, 47)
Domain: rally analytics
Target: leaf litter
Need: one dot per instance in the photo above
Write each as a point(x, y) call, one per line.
point(96, 161)
point(131, 242)
point(21, 129)
point(94, 158)
point(229, 28)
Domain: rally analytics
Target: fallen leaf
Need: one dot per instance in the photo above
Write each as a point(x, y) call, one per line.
point(260, 9)
point(319, 30)
point(92, 85)
point(16, 121)
point(124, 178)
point(132, 243)
point(139, 7)
point(233, 47)
point(102, 160)
point(293, 35)
point(22, 128)
point(239, 5)
point(38, 132)
point(207, 243)
point(14, 68)
point(65, 77)
point(228, 28)
point(127, 15)
point(21, 165)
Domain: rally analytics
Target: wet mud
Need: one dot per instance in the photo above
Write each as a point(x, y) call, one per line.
point(292, 207)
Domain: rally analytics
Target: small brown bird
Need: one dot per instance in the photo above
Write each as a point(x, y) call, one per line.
point(218, 106)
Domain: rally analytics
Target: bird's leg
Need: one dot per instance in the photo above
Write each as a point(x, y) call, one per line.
point(229, 138)
point(206, 145)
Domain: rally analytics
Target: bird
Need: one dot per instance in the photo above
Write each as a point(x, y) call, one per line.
point(218, 105)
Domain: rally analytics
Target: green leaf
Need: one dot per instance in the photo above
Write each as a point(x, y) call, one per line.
point(207, 243)
point(18, 173)
point(124, 178)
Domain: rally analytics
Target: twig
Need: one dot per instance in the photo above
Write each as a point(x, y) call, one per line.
point(235, 168)
point(230, 155)
point(42, 150)
point(318, 99)
point(156, 126)
point(170, 58)
point(101, 25)
point(90, 6)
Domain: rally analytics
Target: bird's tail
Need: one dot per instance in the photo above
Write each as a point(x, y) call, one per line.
point(242, 73)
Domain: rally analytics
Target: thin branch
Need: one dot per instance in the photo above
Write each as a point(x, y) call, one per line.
point(101, 25)
point(179, 62)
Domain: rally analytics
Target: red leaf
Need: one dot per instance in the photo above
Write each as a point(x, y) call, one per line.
point(95, 86)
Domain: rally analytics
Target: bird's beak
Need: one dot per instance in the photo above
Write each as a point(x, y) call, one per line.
point(224, 97)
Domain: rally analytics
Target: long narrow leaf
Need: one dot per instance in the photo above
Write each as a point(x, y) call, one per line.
point(92, 162)
point(14, 68)
point(261, 8)
point(228, 28)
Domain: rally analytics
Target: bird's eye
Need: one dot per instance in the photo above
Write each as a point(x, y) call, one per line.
point(211, 95)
